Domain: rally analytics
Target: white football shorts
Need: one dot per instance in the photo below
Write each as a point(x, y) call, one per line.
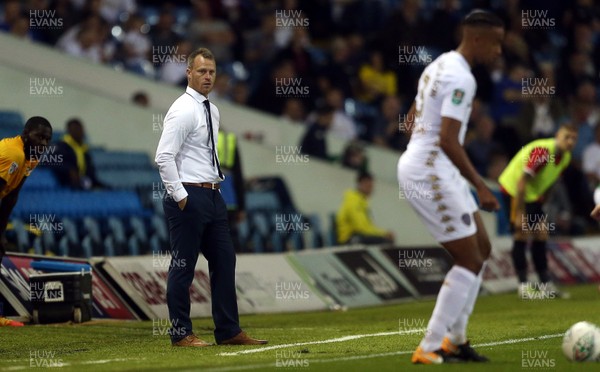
point(440, 196)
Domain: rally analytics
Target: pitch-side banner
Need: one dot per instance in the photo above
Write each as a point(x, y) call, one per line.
point(14, 287)
point(425, 267)
point(334, 279)
point(569, 261)
point(265, 283)
point(373, 274)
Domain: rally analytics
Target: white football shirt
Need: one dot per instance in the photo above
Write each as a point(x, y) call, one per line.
point(446, 89)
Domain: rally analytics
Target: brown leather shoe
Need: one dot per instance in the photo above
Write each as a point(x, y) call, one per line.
point(243, 339)
point(191, 340)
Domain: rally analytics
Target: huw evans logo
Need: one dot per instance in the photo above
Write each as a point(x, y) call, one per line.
point(291, 88)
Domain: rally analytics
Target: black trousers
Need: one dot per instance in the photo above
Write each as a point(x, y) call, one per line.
point(202, 227)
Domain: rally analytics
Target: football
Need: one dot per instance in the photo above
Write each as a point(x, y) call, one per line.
point(581, 342)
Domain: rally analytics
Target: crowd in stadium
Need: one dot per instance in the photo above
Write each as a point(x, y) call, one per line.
point(358, 63)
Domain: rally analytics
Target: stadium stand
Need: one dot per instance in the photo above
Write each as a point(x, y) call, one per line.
point(128, 218)
point(336, 45)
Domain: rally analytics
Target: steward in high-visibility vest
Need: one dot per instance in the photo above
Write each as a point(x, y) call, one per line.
point(528, 176)
point(232, 188)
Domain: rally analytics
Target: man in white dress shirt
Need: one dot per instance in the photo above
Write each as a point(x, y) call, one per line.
point(196, 213)
point(436, 169)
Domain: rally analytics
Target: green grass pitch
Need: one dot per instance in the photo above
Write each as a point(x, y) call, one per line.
point(510, 327)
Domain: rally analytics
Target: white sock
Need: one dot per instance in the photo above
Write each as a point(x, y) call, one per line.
point(458, 331)
point(450, 301)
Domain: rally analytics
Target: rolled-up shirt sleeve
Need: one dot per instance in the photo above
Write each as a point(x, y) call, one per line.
point(178, 123)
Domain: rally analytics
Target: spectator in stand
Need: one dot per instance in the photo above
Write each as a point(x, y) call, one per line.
point(446, 17)
point(85, 45)
point(358, 53)
point(259, 47)
point(283, 35)
point(162, 34)
point(342, 126)
point(137, 47)
point(506, 105)
point(240, 93)
point(85, 39)
point(389, 131)
point(294, 111)
point(338, 69)
point(215, 34)
point(20, 29)
point(66, 12)
point(376, 81)
point(314, 142)
point(355, 157)
point(515, 48)
point(354, 221)
point(222, 88)
point(539, 118)
point(540, 115)
point(112, 10)
point(140, 98)
point(405, 27)
point(269, 96)
point(173, 69)
point(10, 14)
point(578, 67)
point(76, 170)
point(482, 146)
point(584, 116)
point(591, 160)
point(298, 52)
point(508, 97)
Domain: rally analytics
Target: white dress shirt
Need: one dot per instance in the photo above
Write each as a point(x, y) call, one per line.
point(184, 153)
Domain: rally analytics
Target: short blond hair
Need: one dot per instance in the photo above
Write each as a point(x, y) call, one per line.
point(204, 52)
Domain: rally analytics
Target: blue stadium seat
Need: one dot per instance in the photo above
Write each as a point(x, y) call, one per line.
point(41, 179)
point(13, 119)
point(22, 236)
point(6, 132)
point(315, 231)
point(92, 241)
point(117, 235)
point(78, 204)
point(103, 159)
point(70, 239)
point(129, 179)
point(259, 200)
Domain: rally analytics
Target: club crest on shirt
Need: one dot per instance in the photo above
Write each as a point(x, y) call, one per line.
point(13, 168)
point(457, 96)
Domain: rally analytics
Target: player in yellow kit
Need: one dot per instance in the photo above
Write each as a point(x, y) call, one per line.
point(18, 157)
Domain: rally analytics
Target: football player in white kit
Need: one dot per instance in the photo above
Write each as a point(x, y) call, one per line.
point(435, 167)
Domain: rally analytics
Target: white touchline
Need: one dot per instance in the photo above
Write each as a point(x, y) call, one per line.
point(370, 356)
point(329, 341)
point(354, 337)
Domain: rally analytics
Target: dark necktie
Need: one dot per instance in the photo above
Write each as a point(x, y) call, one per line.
point(211, 136)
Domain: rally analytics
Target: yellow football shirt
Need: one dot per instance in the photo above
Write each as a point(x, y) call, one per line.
point(13, 165)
